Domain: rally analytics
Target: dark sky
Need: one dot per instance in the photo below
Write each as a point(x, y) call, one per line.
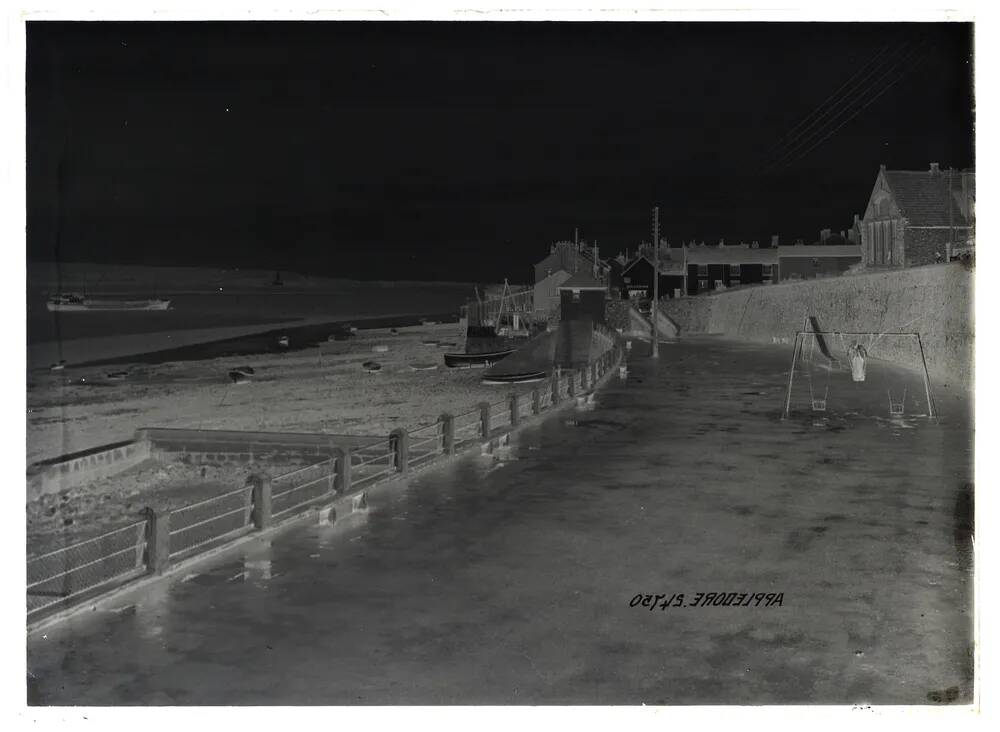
point(462, 150)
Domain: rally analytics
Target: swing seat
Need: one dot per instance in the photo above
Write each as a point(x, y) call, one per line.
point(858, 369)
point(897, 409)
point(819, 405)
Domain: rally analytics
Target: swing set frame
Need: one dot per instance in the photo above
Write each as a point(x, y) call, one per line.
point(797, 350)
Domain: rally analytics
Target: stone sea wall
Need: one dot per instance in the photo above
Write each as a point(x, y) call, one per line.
point(935, 301)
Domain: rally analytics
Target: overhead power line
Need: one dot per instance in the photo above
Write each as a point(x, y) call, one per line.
point(857, 111)
point(826, 101)
point(847, 99)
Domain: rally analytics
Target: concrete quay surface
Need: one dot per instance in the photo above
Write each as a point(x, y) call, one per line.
point(513, 578)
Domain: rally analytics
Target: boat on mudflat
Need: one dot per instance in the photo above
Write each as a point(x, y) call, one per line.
point(475, 360)
point(79, 303)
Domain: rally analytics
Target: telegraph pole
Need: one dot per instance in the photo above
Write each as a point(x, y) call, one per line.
point(656, 279)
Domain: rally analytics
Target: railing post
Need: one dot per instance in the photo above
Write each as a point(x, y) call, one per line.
point(571, 374)
point(157, 540)
point(594, 376)
point(400, 441)
point(447, 433)
point(261, 501)
point(536, 401)
point(343, 482)
point(584, 378)
point(555, 388)
point(484, 419)
point(331, 478)
point(515, 410)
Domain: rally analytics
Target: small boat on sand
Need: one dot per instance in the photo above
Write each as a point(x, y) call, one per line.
point(475, 360)
point(524, 378)
point(283, 341)
point(371, 366)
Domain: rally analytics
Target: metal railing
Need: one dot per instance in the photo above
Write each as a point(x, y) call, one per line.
point(301, 487)
point(468, 427)
point(425, 444)
point(115, 557)
point(545, 399)
point(61, 575)
point(373, 468)
point(211, 520)
point(500, 414)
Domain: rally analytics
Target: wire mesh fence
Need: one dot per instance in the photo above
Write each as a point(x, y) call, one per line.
point(211, 520)
point(61, 575)
point(301, 487)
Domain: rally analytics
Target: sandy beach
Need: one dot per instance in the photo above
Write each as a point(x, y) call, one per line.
point(324, 389)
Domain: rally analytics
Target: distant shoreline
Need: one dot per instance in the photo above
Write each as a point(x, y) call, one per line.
point(115, 278)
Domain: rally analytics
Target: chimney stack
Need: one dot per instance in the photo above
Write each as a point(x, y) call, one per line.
point(935, 169)
point(774, 240)
point(824, 234)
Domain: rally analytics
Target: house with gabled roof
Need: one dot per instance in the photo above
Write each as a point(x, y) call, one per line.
point(564, 260)
point(918, 217)
point(637, 275)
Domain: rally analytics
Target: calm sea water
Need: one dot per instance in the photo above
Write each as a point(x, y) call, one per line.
point(190, 311)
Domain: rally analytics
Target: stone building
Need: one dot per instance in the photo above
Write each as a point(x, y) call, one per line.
point(918, 217)
point(564, 260)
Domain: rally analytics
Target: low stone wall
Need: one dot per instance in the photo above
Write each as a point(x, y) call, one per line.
point(78, 469)
point(236, 446)
point(217, 447)
point(934, 301)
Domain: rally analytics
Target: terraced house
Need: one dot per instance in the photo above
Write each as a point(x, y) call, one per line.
point(919, 217)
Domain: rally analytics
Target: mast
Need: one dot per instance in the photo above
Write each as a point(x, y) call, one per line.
point(656, 279)
point(951, 223)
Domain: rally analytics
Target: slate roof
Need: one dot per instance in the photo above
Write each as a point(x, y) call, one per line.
point(583, 280)
point(923, 197)
point(731, 255)
point(668, 264)
point(820, 250)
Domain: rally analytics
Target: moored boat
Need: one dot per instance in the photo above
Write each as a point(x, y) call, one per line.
point(72, 302)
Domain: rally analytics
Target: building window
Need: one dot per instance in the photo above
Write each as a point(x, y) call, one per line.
point(766, 271)
point(734, 270)
point(576, 296)
point(703, 270)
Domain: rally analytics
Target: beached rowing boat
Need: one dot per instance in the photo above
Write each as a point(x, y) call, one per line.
point(473, 360)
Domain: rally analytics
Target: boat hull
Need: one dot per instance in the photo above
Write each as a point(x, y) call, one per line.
point(475, 360)
point(92, 306)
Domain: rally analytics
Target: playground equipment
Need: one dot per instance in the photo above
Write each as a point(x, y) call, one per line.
point(848, 371)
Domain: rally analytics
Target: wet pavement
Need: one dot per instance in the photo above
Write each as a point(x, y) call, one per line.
point(513, 579)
